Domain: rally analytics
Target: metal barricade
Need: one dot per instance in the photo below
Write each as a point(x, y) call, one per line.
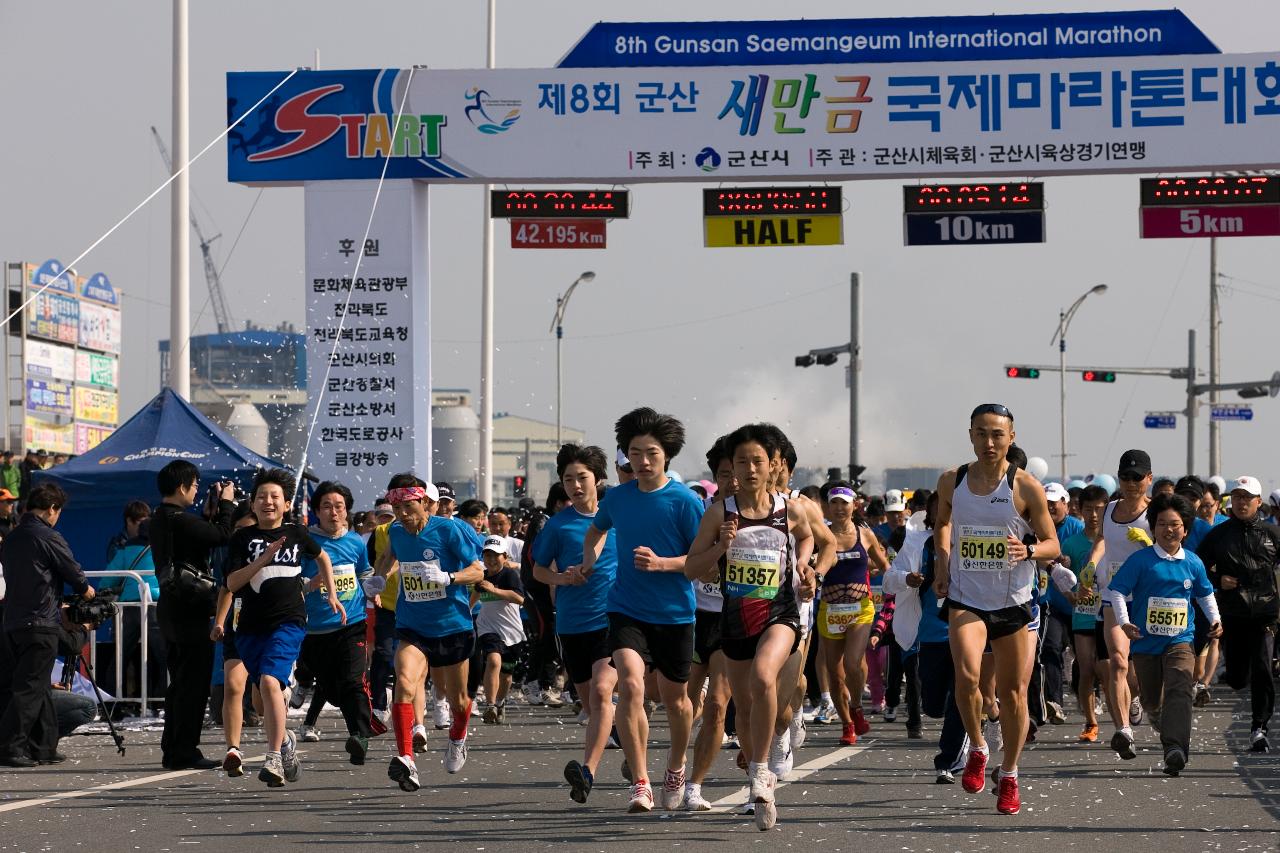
point(144, 604)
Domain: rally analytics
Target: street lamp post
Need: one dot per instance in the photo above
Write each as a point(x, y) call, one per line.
point(1064, 320)
point(557, 325)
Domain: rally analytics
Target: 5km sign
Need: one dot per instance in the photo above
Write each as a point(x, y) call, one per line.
point(1211, 206)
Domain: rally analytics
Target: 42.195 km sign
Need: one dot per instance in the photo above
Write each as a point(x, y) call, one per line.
point(557, 233)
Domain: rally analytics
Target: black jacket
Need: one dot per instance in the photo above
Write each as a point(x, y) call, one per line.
point(181, 536)
point(37, 562)
point(1247, 551)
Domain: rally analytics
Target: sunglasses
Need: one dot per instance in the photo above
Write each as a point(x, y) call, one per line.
point(1132, 477)
point(991, 409)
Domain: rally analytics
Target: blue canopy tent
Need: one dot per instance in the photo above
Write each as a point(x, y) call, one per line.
point(124, 467)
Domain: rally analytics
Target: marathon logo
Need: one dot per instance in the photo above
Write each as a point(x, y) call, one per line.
point(366, 135)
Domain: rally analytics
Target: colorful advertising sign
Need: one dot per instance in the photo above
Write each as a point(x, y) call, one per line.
point(94, 369)
point(99, 327)
point(89, 436)
point(52, 276)
point(55, 438)
point(93, 404)
point(50, 361)
point(825, 122)
point(48, 398)
point(54, 316)
point(97, 287)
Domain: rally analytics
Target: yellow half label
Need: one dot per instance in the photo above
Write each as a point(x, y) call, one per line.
point(721, 232)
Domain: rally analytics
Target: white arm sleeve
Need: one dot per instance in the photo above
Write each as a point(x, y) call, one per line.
point(1209, 604)
point(1120, 606)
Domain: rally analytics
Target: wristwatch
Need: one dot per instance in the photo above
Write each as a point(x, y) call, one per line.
point(1031, 550)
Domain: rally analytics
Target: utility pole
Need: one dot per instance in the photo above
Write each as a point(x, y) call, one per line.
point(827, 356)
point(855, 368)
point(179, 209)
point(1215, 360)
point(1191, 401)
point(485, 484)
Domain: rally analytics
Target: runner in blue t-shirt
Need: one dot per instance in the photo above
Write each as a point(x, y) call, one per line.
point(437, 561)
point(335, 653)
point(1163, 579)
point(582, 616)
point(651, 605)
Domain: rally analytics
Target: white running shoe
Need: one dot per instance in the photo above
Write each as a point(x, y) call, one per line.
point(272, 771)
point(441, 716)
point(310, 734)
point(289, 757)
point(404, 772)
point(1135, 712)
point(673, 789)
point(553, 698)
point(799, 731)
point(825, 713)
point(641, 798)
point(475, 708)
point(298, 697)
point(781, 758)
point(532, 693)
point(419, 738)
point(457, 755)
point(584, 718)
point(992, 734)
point(762, 785)
point(693, 799)
point(233, 764)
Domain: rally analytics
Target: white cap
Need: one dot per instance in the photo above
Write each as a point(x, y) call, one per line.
point(496, 544)
point(622, 461)
point(1247, 484)
point(1275, 498)
point(432, 492)
point(1056, 492)
point(894, 501)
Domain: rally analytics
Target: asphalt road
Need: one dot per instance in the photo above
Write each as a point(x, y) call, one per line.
point(879, 795)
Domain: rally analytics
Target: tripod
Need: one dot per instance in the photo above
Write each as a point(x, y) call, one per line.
point(69, 669)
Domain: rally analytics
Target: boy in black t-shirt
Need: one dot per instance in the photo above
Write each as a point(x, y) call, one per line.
point(273, 617)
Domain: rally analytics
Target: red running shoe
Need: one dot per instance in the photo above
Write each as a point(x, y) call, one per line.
point(850, 736)
point(974, 769)
point(1008, 801)
point(860, 724)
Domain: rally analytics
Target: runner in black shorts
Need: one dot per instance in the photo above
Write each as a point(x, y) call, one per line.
point(747, 541)
point(582, 618)
point(651, 604)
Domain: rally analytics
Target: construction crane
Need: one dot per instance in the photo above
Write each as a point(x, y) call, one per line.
point(216, 296)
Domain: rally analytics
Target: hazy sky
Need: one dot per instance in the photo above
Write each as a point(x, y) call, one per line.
point(709, 335)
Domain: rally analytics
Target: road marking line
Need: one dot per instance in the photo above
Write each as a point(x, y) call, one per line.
point(822, 762)
point(112, 786)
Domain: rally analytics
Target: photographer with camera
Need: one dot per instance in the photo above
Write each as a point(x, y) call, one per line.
point(37, 563)
point(180, 544)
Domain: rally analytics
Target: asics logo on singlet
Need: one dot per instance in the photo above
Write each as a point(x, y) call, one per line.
point(428, 554)
point(999, 500)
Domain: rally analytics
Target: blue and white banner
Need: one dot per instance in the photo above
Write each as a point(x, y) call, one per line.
point(1166, 32)
point(826, 122)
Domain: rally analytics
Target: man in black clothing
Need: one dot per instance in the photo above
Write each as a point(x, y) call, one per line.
point(181, 537)
point(37, 563)
point(30, 462)
point(1240, 555)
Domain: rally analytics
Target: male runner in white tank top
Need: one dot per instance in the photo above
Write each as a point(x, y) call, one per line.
point(993, 522)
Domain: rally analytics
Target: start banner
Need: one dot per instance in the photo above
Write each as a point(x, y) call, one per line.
point(823, 121)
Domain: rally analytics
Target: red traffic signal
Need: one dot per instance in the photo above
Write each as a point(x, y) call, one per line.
point(1098, 376)
point(1022, 372)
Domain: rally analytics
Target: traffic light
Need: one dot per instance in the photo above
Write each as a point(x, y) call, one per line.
point(1022, 372)
point(804, 361)
point(1255, 391)
point(1098, 376)
point(518, 486)
point(826, 359)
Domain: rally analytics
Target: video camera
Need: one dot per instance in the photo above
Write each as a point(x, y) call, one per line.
point(92, 611)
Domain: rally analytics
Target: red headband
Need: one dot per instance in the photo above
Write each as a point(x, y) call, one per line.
point(409, 493)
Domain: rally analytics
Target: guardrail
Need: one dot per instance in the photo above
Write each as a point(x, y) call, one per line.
point(144, 604)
